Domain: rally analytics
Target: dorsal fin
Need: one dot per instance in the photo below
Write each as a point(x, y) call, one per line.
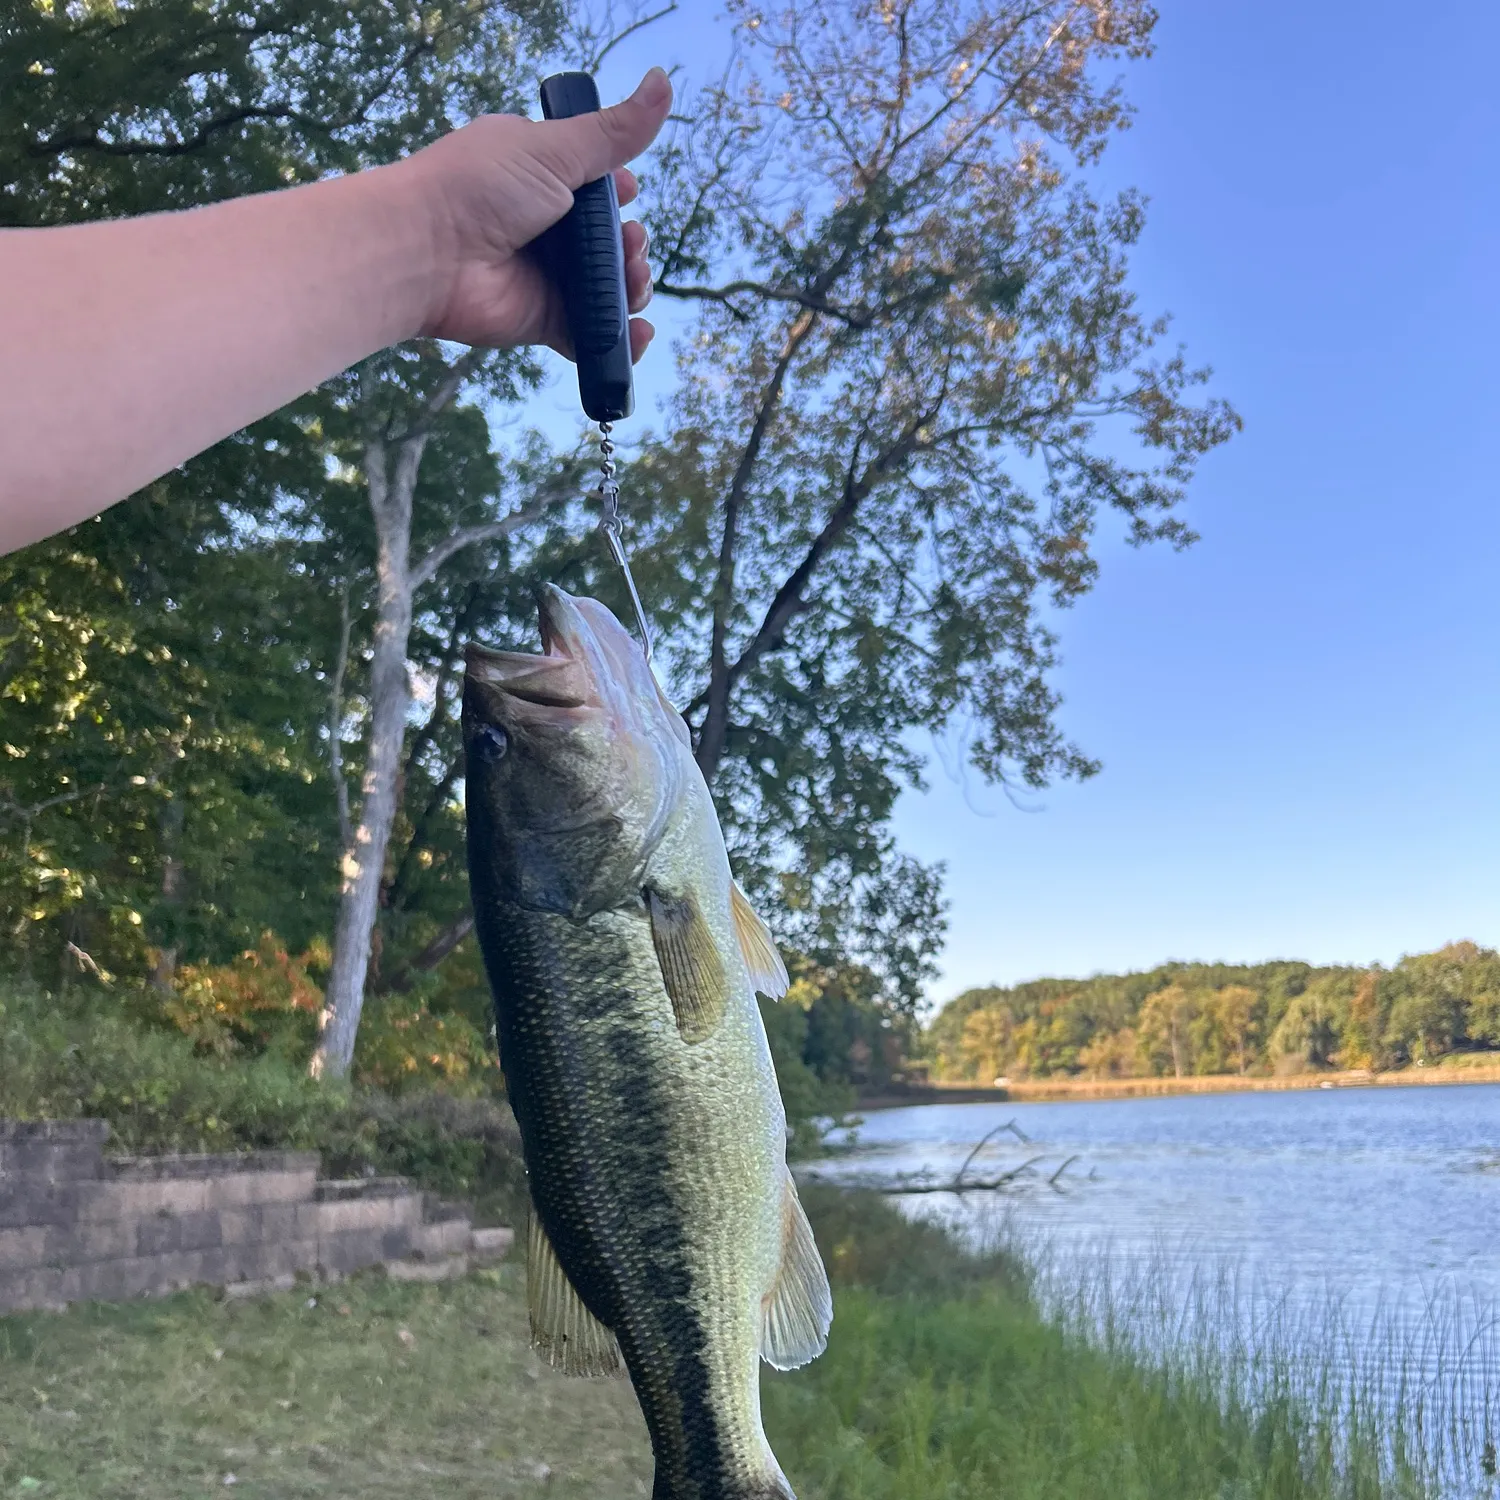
point(691, 967)
point(574, 1340)
point(767, 972)
point(799, 1310)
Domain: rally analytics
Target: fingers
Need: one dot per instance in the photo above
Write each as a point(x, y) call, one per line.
point(587, 146)
point(637, 268)
point(626, 187)
point(641, 334)
point(637, 284)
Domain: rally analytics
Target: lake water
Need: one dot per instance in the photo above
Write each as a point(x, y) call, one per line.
point(1371, 1216)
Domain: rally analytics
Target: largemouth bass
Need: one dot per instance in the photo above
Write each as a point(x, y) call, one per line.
point(666, 1236)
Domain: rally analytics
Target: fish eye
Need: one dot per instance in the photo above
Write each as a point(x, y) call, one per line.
point(490, 743)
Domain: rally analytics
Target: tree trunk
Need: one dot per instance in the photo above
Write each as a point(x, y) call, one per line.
point(390, 699)
point(715, 730)
point(164, 970)
point(391, 467)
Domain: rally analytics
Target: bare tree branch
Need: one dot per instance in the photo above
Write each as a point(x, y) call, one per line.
point(470, 536)
point(984, 1141)
point(903, 1186)
point(858, 318)
point(12, 809)
point(591, 62)
point(85, 961)
point(459, 373)
point(431, 956)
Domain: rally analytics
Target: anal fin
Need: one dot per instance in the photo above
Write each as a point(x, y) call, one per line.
point(574, 1340)
point(767, 972)
point(799, 1310)
point(691, 967)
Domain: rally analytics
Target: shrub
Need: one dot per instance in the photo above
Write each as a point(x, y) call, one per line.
point(265, 998)
point(83, 1053)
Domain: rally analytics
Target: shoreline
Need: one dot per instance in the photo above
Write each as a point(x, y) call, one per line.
point(1055, 1090)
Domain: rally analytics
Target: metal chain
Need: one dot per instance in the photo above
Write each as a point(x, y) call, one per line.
point(613, 530)
point(609, 488)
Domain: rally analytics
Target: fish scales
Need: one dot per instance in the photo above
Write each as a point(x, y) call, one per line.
point(620, 1166)
point(633, 1050)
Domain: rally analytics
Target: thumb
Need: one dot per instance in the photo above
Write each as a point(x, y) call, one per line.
point(587, 146)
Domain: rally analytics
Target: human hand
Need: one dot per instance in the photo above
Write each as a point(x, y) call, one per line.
point(494, 186)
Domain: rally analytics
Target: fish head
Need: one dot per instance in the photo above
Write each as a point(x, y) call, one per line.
point(575, 761)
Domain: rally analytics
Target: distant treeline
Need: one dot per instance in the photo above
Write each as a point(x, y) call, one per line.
point(1184, 1018)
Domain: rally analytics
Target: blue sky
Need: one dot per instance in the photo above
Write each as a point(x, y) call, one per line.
point(1299, 716)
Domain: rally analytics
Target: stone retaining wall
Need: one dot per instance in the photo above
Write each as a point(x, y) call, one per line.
point(78, 1226)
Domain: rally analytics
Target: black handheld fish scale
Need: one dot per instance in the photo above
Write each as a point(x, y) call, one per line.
point(588, 264)
point(585, 256)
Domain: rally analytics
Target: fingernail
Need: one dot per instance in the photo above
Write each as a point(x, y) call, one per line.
point(655, 88)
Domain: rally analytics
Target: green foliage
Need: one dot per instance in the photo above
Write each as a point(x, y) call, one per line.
point(159, 788)
point(404, 1044)
point(915, 388)
point(1186, 1019)
point(81, 1053)
point(165, 782)
point(808, 1099)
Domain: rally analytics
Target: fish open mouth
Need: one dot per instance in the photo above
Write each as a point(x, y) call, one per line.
point(558, 677)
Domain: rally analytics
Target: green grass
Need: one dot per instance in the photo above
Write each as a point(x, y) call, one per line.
point(942, 1382)
point(164, 1400)
point(943, 1379)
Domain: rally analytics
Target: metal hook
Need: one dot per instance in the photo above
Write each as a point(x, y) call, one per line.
point(613, 532)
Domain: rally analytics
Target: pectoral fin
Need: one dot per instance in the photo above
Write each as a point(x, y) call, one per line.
point(767, 972)
point(800, 1308)
point(575, 1341)
point(690, 964)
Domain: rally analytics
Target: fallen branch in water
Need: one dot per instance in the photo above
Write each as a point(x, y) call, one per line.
point(984, 1141)
point(1052, 1180)
point(958, 1185)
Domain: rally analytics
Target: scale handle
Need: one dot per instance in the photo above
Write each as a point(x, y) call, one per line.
point(583, 255)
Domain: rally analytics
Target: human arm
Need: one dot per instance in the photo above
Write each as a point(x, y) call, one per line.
point(128, 346)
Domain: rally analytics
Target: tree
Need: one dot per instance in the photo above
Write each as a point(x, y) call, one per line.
point(986, 1043)
point(1163, 1029)
point(395, 401)
point(1313, 1023)
point(158, 792)
point(1111, 1054)
point(1225, 1031)
point(175, 103)
point(916, 385)
point(915, 369)
point(1436, 1002)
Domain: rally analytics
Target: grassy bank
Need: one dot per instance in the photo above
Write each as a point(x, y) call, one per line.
point(1464, 1068)
point(1451, 1070)
point(942, 1380)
